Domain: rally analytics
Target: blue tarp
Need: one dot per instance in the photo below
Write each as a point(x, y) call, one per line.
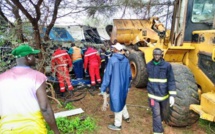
point(73, 81)
point(59, 34)
point(56, 34)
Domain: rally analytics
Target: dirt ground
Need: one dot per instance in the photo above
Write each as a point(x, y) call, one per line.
point(140, 115)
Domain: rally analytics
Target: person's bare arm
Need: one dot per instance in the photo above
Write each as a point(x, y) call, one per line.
point(46, 109)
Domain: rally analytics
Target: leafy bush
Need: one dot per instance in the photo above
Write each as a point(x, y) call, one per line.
point(69, 106)
point(75, 125)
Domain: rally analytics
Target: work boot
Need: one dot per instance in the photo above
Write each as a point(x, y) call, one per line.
point(94, 87)
point(71, 92)
point(98, 85)
point(113, 127)
point(62, 94)
point(92, 90)
point(70, 88)
point(127, 120)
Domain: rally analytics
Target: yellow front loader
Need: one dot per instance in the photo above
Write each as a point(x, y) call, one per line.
point(189, 46)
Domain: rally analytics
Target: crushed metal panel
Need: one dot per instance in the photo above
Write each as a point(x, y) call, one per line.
point(103, 34)
point(69, 113)
point(77, 32)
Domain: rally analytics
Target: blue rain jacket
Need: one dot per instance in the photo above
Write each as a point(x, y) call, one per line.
point(117, 77)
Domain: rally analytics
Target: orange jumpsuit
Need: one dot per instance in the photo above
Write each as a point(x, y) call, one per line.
point(60, 63)
point(92, 58)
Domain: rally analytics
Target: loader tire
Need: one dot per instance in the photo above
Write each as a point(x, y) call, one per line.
point(187, 93)
point(138, 69)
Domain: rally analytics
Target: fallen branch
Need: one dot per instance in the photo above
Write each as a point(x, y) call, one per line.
point(55, 100)
point(51, 89)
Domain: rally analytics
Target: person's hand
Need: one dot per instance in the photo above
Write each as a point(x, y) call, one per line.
point(105, 103)
point(101, 93)
point(171, 101)
point(85, 71)
point(70, 69)
point(53, 74)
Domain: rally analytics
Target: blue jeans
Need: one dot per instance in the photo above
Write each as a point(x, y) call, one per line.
point(78, 68)
point(160, 111)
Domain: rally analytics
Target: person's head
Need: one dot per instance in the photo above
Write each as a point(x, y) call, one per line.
point(114, 42)
point(124, 50)
point(157, 54)
point(72, 44)
point(117, 48)
point(92, 45)
point(103, 48)
point(55, 47)
point(25, 55)
point(60, 46)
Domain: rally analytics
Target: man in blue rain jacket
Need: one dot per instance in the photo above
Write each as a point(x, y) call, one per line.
point(117, 77)
point(161, 89)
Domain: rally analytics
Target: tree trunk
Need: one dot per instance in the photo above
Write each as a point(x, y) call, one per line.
point(54, 17)
point(37, 41)
point(18, 31)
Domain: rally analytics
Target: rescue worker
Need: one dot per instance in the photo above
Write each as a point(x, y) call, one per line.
point(117, 77)
point(84, 48)
point(161, 89)
point(108, 54)
point(102, 52)
point(93, 60)
point(76, 56)
point(61, 64)
point(24, 104)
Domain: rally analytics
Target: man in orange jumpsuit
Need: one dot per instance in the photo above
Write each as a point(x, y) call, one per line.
point(92, 59)
point(61, 64)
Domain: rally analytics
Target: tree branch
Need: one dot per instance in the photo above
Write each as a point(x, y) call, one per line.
point(24, 11)
point(32, 3)
point(54, 17)
point(71, 12)
point(39, 2)
point(124, 10)
point(38, 13)
point(37, 9)
point(46, 14)
point(5, 18)
point(4, 5)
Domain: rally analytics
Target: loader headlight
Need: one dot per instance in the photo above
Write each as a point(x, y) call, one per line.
point(198, 38)
point(195, 37)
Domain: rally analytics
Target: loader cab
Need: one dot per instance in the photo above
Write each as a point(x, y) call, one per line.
point(189, 16)
point(200, 16)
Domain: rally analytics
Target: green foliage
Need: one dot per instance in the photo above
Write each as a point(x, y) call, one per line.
point(74, 125)
point(1, 41)
point(69, 106)
point(208, 126)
